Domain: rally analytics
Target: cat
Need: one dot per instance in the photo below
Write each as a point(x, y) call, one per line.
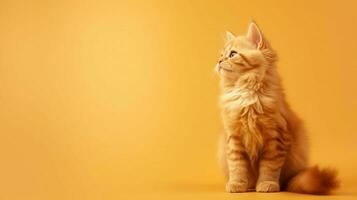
point(264, 145)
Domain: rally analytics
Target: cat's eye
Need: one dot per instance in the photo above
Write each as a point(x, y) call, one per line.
point(232, 54)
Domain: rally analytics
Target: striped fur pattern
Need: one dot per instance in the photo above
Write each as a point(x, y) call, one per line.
point(264, 144)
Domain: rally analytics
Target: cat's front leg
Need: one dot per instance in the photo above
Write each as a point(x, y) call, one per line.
point(238, 165)
point(271, 162)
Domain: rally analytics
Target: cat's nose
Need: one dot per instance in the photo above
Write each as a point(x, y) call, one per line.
point(220, 61)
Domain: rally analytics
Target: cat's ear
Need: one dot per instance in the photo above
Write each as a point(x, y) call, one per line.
point(229, 36)
point(255, 35)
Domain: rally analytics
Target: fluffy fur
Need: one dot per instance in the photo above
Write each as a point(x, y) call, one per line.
point(264, 144)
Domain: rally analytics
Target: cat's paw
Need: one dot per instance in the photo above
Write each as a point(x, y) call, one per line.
point(235, 186)
point(268, 186)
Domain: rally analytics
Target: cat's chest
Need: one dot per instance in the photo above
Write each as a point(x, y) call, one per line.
point(242, 104)
point(243, 113)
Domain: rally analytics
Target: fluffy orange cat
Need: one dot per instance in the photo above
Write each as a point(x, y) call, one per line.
point(264, 146)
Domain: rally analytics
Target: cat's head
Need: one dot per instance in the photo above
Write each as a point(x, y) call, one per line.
point(244, 56)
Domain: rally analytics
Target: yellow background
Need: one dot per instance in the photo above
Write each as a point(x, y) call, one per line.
point(118, 99)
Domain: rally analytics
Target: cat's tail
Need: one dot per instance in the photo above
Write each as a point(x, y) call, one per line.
point(314, 181)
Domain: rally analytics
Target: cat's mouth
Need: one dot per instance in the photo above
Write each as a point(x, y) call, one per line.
point(225, 69)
